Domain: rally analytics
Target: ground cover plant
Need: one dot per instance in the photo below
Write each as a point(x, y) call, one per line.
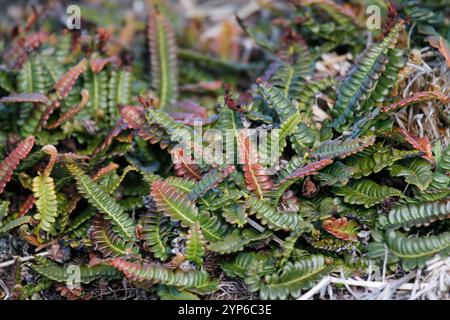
point(99, 201)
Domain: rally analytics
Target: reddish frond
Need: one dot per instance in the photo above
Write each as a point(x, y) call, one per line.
point(70, 293)
point(185, 166)
point(69, 114)
point(416, 98)
point(13, 159)
point(173, 203)
point(98, 64)
point(342, 228)
point(105, 170)
point(256, 177)
point(26, 97)
point(26, 205)
point(109, 138)
point(35, 40)
point(53, 153)
point(67, 81)
point(32, 18)
point(134, 117)
point(188, 109)
point(106, 241)
point(419, 143)
point(176, 261)
point(441, 44)
point(308, 170)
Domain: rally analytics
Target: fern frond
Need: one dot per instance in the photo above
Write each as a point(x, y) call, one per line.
point(310, 169)
point(163, 58)
point(10, 163)
point(7, 227)
point(65, 84)
point(241, 264)
point(375, 159)
point(341, 228)
point(198, 281)
point(416, 98)
point(416, 171)
point(119, 91)
point(195, 244)
point(408, 215)
point(171, 293)
point(342, 149)
point(71, 274)
point(366, 192)
point(273, 219)
point(45, 195)
point(414, 252)
point(173, 203)
point(362, 80)
point(156, 231)
point(108, 242)
point(236, 214)
point(256, 178)
point(237, 240)
point(26, 97)
point(122, 223)
point(292, 278)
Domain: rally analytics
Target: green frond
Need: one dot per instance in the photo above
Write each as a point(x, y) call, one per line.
point(156, 232)
point(195, 244)
point(408, 215)
point(414, 252)
point(197, 281)
point(291, 279)
point(73, 274)
point(415, 171)
point(44, 192)
point(270, 217)
point(122, 223)
point(237, 240)
point(163, 58)
point(172, 293)
point(366, 192)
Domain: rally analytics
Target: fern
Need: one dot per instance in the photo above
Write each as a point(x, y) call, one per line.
point(195, 244)
point(10, 163)
point(342, 149)
point(163, 58)
point(237, 240)
point(366, 192)
point(7, 227)
point(361, 82)
point(45, 195)
point(171, 293)
point(156, 231)
point(108, 242)
point(408, 215)
point(119, 91)
point(273, 219)
point(173, 203)
point(236, 214)
point(241, 264)
point(416, 171)
point(73, 274)
point(292, 278)
point(197, 281)
point(414, 252)
point(122, 224)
